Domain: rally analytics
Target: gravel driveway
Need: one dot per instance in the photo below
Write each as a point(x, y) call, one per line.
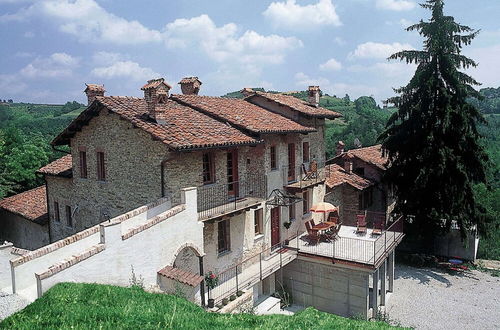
point(430, 299)
point(10, 303)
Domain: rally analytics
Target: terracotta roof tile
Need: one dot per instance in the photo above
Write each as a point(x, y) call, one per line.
point(338, 176)
point(184, 127)
point(181, 275)
point(298, 105)
point(31, 204)
point(60, 167)
point(153, 83)
point(94, 87)
point(371, 155)
point(243, 114)
point(189, 80)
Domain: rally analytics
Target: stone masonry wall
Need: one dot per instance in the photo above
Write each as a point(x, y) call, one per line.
point(21, 232)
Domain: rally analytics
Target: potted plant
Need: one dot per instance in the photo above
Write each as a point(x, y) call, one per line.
point(287, 225)
point(225, 301)
point(239, 293)
point(211, 280)
point(232, 297)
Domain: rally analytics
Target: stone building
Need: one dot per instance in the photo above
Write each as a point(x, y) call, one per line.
point(179, 185)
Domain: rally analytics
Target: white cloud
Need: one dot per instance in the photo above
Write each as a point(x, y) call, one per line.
point(125, 69)
point(378, 50)
point(405, 23)
point(395, 5)
point(223, 43)
point(339, 41)
point(385, 70)
point(488, 70)
point(331, 65)
point(292, 16)
point(10, 84)
point(88, 21)
point(107, 58)
point(56, 65)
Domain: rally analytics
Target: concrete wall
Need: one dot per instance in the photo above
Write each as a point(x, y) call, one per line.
point(451, 245)
point(328, 287)
point(188, 292)
point(108, 254)
point(5, 276)
point(23, 233)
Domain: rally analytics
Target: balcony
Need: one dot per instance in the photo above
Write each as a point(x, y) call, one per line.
point(221, 199)
point(299, 178)
point(365, 250)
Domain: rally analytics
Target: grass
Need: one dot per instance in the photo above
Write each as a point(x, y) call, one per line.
point(89, 306)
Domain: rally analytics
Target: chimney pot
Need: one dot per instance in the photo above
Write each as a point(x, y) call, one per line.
point(190, 85)
point(313, 96)
point(348, 166)
point(92, 91)
point(340, 148)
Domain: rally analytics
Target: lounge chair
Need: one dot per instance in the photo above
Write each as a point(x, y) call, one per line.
point(312, 173)
point(361, 224)
point(378, 226)
point(332, 234)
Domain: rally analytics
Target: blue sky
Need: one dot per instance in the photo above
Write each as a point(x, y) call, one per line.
point(51, 48)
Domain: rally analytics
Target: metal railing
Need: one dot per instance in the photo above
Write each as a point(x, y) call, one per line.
point(252, 270)
point(366, 249)
point(348, 216)
point(302, 176)
point(220, 198)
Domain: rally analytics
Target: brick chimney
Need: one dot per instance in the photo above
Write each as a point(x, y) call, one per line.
point(340, 148)
point(155, 93)
point(92, 91)
point(190, 85)
point(348, 166)
point(313, 95)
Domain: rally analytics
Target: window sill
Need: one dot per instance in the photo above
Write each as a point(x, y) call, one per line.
point(223, 254)
point(258, 237)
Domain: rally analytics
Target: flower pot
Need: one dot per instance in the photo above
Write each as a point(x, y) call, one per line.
point(211, 303)
point(225, 301)
point(239, 293)
point(233, 297)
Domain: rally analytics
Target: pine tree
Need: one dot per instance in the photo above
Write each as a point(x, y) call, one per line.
point(432, 141)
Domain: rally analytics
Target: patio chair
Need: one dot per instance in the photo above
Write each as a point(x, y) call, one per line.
point(312, 173)
point(332, 234)
point(361, 224)
point(312, 235)
point(378, 226)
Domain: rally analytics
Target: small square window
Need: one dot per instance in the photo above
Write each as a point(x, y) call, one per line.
point(258, 215)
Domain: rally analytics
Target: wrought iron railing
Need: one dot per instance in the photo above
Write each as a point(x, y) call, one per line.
point(304, 175)
point(221, 198)
point(252, 270)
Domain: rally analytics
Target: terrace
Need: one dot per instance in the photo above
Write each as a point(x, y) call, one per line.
point(298, 178)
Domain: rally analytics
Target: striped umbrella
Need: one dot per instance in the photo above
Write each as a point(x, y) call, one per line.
point(323, 207)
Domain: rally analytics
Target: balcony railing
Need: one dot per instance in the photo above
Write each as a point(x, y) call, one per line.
point(304, 175)
point(222, 198)
point(367, 248)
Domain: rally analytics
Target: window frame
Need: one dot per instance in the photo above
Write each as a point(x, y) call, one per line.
point(57, 213)
point(211, 167)
point(292, 212)
point(258, 221)
point(273, 157)
point(305, 202)
point(82, 156)
point(306, 153)
point(223, 237)
point(101, 166)
point(69, 216)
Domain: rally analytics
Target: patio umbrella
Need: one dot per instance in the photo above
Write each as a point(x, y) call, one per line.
point(323, 207)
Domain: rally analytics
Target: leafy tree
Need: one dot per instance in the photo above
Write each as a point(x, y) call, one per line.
point(432, 142)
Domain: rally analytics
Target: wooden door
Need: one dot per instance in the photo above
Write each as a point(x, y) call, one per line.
point(275, 226)
point(291, 162)
point(232, 174)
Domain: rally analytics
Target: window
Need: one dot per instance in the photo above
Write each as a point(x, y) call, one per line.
point(208, 168)
point(57, 215)
point(305, 203)
point(223, 243)
point(274, 162)
point(69, 219)
point(291, 212)
point(360, 171)
point(101, 169)
point(83, 164)
point(305, 152)
point(258, 221)
point(365, 199)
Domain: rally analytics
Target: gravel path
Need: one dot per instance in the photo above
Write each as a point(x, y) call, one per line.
point(10, 303)
point(431, 299)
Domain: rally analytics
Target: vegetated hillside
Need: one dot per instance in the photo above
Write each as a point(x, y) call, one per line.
point(25, 133)
point(92, 306)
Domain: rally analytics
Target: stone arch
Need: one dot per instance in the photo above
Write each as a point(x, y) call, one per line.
point(186, 258)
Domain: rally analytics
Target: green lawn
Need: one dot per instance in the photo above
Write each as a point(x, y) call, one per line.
point(90, 306)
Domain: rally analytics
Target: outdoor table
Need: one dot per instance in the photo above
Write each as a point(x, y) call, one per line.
point(324, 226)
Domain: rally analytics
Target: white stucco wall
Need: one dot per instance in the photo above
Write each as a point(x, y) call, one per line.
point(5, 256)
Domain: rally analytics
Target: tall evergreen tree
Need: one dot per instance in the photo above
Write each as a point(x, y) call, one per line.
point(432, 140)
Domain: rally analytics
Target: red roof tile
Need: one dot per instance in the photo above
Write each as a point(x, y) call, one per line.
point(94, 87)
point(243, 114)
point(181, 275)
point(31, 204)
point(189, 80)
point(371, 155)
point(60, 167)
point(337, 176)
point(184, 127)
point(153, 83)
point(298, 105)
